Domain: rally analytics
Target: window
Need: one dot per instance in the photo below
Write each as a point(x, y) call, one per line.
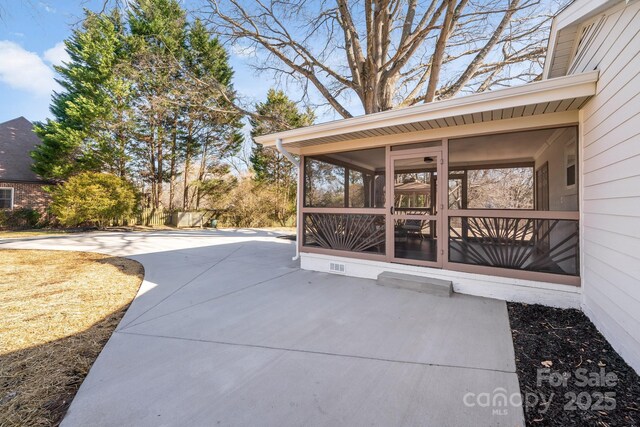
point(6, 198)
point(358, 182)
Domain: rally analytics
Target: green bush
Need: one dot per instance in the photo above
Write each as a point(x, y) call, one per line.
point(92, 198)
point(19, 218)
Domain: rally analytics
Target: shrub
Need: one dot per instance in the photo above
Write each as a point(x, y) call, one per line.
point(255, 204)
point(92, 198)
point(19, 218)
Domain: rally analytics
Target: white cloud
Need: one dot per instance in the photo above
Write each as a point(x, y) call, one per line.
point(57, 54)
point(47, 7)
point(24, 70)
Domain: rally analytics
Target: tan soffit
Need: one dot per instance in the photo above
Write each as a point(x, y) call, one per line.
point(543, 97)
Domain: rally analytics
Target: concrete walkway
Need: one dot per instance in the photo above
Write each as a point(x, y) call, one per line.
point(227, 330)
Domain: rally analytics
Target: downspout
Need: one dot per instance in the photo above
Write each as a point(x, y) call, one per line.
point(295, 163)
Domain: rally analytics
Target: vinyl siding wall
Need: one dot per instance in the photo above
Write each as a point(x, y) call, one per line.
point(610, 184)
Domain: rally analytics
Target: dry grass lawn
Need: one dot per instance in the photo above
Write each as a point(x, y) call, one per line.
point(58, 310)
point(10, 234)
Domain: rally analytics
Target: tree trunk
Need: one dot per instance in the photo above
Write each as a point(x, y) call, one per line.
point(152, 167)
point(438, 54)
point(159, 177)
point(201, 172)
point(187, 165)
point(172, 172)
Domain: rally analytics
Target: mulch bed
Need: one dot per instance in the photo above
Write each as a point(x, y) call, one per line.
point(566, 370)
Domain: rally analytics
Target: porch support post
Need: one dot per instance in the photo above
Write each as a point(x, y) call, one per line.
point(444, 200)
point(388, 196)
point(299, 224)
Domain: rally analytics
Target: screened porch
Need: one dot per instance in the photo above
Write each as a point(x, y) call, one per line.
point(509, 204)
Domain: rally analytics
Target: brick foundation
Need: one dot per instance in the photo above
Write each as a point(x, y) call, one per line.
point(28, 195)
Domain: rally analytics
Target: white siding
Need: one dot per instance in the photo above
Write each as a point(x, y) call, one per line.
point(610, 154)
point(561, 198)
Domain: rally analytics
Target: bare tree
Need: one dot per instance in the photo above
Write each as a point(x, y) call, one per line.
point(390, 53)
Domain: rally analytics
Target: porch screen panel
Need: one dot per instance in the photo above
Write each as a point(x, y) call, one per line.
point(531, 244)
point(353, 179)
point(535, 170)
point(513, 201)
point(324, 184)
point(345, 232)
point(414, 195)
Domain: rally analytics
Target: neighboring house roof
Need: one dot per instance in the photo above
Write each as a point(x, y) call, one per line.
point(17, 140)
point(543, 97)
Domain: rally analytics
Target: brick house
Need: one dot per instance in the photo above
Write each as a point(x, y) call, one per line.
point(20, 187)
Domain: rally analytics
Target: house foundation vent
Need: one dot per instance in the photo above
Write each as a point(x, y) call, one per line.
point(335, 267)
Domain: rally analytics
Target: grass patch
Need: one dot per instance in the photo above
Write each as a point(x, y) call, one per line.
point(31, 233)
point(58, 310)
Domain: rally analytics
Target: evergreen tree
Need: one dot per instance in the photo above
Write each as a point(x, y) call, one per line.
point(157, 40)
point(270, 167)
point(79, 136)
point(149, 98)
point(212, 125)
point(280, 114)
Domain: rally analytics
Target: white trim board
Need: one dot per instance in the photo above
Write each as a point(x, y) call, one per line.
point(517, 290)
point(558, 89)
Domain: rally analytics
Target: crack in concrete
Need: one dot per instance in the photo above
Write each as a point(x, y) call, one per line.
point(322, 353)
point(130, 325)
point(179, 288)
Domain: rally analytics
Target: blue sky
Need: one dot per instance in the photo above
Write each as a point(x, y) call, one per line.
point(31, 35)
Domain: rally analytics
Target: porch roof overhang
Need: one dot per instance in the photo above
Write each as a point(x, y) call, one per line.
point(544, 97)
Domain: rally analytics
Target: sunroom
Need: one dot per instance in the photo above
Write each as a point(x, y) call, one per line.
point(482, 190)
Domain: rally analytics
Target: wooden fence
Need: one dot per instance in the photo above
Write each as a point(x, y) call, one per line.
point(156, 217)
point(147, 216)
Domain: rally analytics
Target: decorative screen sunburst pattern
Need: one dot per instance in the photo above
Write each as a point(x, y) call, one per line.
point(346, 232)
point(543, 245)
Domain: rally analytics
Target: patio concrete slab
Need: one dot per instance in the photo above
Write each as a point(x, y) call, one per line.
point(227, 330)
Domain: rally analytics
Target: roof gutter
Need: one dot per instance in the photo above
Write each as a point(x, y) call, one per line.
point(287, 154)
point(558, 88)
point(296, 163)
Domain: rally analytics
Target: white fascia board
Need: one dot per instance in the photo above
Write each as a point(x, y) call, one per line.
point(567, 87)
point(551, 48)
point(581, 10)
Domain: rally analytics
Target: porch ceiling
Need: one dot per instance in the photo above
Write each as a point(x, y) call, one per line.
point(543, 97)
